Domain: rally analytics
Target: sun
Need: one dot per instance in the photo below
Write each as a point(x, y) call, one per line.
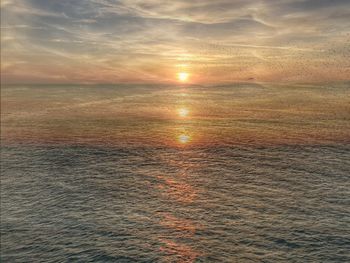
point(183, 76)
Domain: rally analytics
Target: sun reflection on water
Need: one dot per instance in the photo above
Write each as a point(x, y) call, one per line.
point(178, 252)
point(184, 138)
point(183, 112)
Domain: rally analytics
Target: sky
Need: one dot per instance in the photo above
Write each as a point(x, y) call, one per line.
point(156, 41)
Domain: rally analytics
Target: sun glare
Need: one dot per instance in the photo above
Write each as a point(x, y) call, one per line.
point(182, 76)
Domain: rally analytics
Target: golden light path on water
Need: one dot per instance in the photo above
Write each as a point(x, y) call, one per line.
point(184, 137)
point(179, 190)
point(183, 113)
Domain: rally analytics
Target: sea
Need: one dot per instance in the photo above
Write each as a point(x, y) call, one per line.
point(243, 172)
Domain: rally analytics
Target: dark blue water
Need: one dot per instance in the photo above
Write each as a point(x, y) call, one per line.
point(91, 204)
point(243, 173)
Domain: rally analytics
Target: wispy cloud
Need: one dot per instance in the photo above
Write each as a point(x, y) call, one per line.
point(139, 40)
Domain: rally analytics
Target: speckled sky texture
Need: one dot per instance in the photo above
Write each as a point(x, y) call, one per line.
point(113, 41)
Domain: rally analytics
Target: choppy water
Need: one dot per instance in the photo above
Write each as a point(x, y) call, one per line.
point(242, 173)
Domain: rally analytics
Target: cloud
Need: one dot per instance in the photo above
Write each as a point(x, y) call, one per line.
point(147, 40)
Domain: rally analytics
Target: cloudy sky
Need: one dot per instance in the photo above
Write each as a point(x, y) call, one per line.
point(110, 41)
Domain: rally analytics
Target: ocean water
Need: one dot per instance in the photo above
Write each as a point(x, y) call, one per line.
point(155, 173)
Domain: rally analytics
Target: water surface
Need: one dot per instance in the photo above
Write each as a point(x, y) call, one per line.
point(146, 173)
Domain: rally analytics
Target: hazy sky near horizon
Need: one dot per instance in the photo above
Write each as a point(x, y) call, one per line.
point(94, 41)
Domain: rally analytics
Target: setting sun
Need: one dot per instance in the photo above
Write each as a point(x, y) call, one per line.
point(183, 76)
